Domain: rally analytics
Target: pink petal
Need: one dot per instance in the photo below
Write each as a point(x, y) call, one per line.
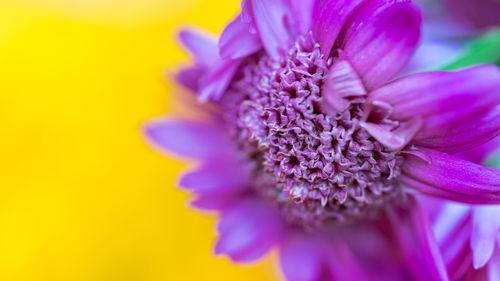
point(192, 139)
point(270, 18)
point(477, 275)
point(494, 267)
point(237, 42)
point(467, 135)
point(300, 258)
point(428, 189)
point(442, 97)
point(214, 83)
point(485, 232)
point(202, 45)
point(451, 216)
point(212, 202)
point(415, 237)
point(216, 177)
point(189, 77)
point(379, 38)
point(452, 178)
point(329, 17)
point(247, 15)
point(452, 229)
point(343, 264)
point(248, 229)
point(479, 154)
point(303, 12)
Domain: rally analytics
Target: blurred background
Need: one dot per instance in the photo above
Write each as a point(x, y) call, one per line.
point(82, 196)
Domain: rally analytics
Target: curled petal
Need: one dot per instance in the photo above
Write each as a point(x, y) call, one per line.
point(397, 139)
point(419, 154)
point(236, 41)
point(379, 38)
point(452, 178)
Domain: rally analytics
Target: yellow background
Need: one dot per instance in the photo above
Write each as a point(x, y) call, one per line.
point(82, 196)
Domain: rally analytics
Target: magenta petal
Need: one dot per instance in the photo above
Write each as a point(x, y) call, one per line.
point(329, 17)
point(341, 83)
point(270, 17)
point(190, 139)
point(479, 154)
point(303, 12)
point(476, 275)
point(471, 133)
point(236, 41)
point(189, 77)
point(211, 202)
point(215, 178)
point(485, 232)
point(415, 237)
point(248, 229)
point(379, 38)
point(452, 229)
point(215, 82)
point(452, 178)
point(494, 267)
point(434, 191)
point(202, 45)
point(458, 259)
point(443, 98)
point(300, 258)
point(247, 15)
point(342, 263)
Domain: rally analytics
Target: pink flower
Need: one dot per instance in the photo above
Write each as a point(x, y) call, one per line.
point(311, 146)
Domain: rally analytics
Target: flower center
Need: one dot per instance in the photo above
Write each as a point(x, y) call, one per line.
point(317, 167)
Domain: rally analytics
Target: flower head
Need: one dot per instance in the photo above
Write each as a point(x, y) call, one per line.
point(312, 142)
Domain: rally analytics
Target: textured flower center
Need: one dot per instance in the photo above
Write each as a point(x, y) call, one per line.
point(316, 166)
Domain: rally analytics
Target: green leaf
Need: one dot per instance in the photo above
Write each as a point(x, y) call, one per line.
point(484, 49)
